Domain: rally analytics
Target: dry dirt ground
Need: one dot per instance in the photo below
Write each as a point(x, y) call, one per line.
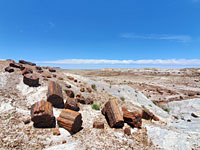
point(171, 94)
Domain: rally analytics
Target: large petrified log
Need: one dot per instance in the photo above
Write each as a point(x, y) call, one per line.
point(113, 114)
point(72, 104)
point(70, 120)
point(134, 119)
point(42, 114)
point(9, 69)
point(31, 80)
point(55, 95)
point(27, 62)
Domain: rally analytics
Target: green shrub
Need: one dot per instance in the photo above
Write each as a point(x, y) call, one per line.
point(96, 106)
point(166, 109)
point(93, 86)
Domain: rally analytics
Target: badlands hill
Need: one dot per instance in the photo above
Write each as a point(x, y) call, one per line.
point(156, 108)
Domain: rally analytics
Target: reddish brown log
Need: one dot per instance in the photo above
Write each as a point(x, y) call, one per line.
point(113, 114)
point(149, 115)
point(98, 125)
point(52, 70)
point(134, 119)
point(17, 65)
point(70, 120)
point(42, 114)
point(27, 62)
point(127, 131)
point(31, 80)
point(55, 95)
point(72, 104)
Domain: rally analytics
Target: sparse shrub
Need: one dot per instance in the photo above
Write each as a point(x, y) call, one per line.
point(155, 102)
point(166, 109)
point(150, 105)
point(93, 86)
point(122, 98)
point(8, 116)
point(96, 106)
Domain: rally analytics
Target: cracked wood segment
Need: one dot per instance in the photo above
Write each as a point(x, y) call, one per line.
point(72, 104)
point(55, 95)
point(113, 114)
point(70, 120)
point(42, 114)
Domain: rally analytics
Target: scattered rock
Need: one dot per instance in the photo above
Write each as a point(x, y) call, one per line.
point(68, 86)
point(113, 114)
point(82, 89)
point(38, 68)
point(75, 80)
point(42, 114)
point(69, 93)
point(56, 131)
point(52, 70)
point(149, 115)
point(60, 78)
point(89, 101)
point(9, 69)
point(127, 131)
point(27, 71)
point(98, 125)
point(31, 80)
point(70, 77)
point(134, 119)
point(194, 115)
point(71, 104)
point(64, 141)
point(89, 90)
point(191, 93)
point(27, 121)
point(55, 95)
point(54, 75)
point(27, 62)
point(70, 120)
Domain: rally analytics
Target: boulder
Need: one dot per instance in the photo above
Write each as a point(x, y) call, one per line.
point(71, 104)
point(27, 62)
point(54, 95)
point(42, 114)
point(31, 80)
point(70, 120)
point(9, 69)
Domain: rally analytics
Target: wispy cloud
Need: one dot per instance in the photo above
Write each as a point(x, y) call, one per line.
point(178, 38)
point(126, 62)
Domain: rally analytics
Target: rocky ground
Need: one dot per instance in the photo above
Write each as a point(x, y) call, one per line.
point(173, 95)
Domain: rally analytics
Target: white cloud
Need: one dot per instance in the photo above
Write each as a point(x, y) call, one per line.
point(126, 62)
point(179, 38)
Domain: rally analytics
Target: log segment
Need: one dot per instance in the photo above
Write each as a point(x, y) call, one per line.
point(42, 114)
point(113, 114)
point(54, 95)
point(70, 120)
point(72, 104)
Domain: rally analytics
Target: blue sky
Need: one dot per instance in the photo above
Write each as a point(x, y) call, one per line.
point(46, 31)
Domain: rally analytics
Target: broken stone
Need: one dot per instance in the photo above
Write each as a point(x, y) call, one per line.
point(70, 120)
point(60, 78)
point(64, 141)
point(68, 86)
point(70, 77)
point(113, 114)
point(27, 62)
point(52, 70)
point(26, 71)
point(98, 125)
point(134, 119)
point(55, 95)
point(82, 89)
point(69, 93)
point(75, 80)
point(127, 131)
point(31, 80)
point(89, 90)
point(27, 121)
point(149, 115)
point(42, 114)
point(56, 131)
point(9, 69)
point(54, 75)
point(194, 115)
point(71, 104)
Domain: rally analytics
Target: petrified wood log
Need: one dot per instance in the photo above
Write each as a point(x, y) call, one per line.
point(149, 115)
point(9, 69)
point(98, 125)
point(113, 114)
point(70, 120)
point(52, 70)
point(134, 119)
point(27, 62)
point(17, 65)
point(55, 95)
point(31, 80)
point(72, 104)
point(42, 114)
